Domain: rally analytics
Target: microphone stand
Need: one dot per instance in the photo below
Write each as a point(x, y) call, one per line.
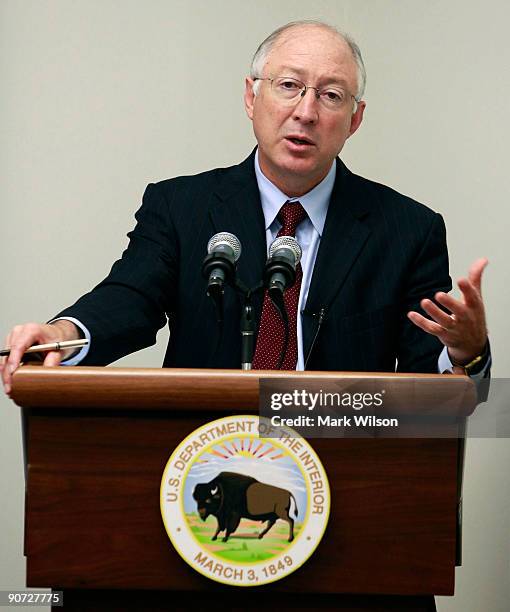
point(247, 324)
point(247, 334)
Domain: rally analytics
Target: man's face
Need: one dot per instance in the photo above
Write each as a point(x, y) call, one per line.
point(316, 57)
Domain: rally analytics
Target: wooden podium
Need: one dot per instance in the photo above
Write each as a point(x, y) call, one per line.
point(97, 441)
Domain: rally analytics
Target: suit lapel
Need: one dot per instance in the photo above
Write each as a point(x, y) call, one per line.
point(344, 237)
point(237, 209)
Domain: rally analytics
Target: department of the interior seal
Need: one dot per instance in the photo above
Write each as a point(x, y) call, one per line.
point(241, 508)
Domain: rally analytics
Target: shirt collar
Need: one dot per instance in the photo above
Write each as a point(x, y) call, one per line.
point(315, 202)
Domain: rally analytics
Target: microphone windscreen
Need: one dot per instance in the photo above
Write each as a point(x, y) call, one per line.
point(223, 239)
point(286, 242)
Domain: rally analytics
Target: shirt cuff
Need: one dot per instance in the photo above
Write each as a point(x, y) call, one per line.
point(82, 353)
point(444, 364)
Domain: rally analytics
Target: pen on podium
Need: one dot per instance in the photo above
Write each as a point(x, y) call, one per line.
point(51, 346)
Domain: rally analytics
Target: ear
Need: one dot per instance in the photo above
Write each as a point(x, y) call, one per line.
point(357, 117)
point(249, 96)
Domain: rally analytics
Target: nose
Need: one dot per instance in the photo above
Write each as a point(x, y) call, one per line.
point(306, 110)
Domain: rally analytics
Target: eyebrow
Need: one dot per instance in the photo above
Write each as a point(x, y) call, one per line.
point(300, 73)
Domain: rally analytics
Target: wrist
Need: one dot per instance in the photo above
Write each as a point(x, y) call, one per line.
point(67, 330)
point(474, 365)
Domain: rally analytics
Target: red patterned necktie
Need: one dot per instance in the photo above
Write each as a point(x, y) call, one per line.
point(271, 334)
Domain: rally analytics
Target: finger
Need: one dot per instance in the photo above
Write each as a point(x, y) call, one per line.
point(476, 271)
point(12, 360)
point(21, 337)
point(470, 293)
point(53, 358)
point(7, 344)
point(20, 341)
point(11, 366)
point(440, 316)
point(454, 306)
point(427, 325)
point(6, 379)
point(4, 363)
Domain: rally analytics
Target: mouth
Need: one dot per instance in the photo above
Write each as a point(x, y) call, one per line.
point(300, 141)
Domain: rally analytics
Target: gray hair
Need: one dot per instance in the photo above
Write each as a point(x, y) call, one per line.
point(259, 59)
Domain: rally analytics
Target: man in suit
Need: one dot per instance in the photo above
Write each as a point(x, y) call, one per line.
point(374, 262)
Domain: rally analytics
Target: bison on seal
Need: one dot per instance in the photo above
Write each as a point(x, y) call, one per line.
point(230, 497)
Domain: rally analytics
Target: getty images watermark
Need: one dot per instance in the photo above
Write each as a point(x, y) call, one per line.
point(326, 402)
point(387, 406)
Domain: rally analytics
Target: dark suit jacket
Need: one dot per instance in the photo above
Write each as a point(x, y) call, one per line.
point(380, 253)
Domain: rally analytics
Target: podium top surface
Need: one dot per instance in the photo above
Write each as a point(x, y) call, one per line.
point(222, 390)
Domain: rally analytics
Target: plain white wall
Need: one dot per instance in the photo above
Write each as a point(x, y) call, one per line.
point(100, 97)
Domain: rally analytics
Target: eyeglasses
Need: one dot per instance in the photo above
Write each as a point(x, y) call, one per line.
point(289, 91)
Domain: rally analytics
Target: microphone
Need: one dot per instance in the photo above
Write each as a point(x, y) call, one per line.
point(280, 273)
point(224, 249)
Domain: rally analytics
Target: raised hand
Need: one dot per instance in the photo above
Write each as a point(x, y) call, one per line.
point(463, 329)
